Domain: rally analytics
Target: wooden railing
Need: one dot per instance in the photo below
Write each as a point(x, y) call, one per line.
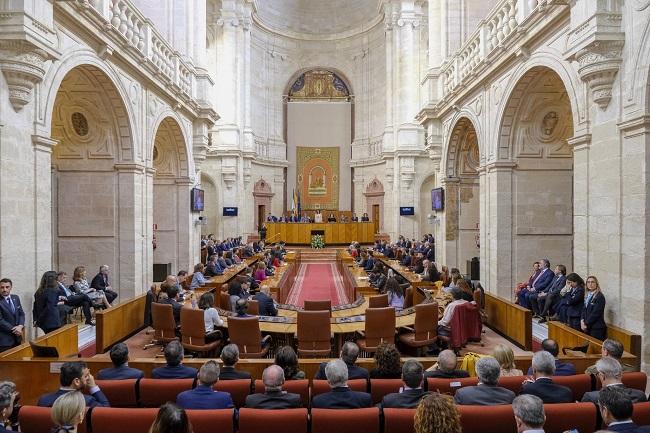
point(510, 320)
point(119, 322)
point(65, 339)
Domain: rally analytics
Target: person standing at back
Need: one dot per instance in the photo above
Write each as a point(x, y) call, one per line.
point(46, 300)
point(12, 317)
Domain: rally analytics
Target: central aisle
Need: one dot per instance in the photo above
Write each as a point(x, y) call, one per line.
point(316, 281)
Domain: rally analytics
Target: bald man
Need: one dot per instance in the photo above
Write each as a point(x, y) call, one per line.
point(273, 397)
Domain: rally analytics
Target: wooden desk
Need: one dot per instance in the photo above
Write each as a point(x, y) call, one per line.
point(510, 320)
point(65, 339)
point(117, 323)
point(335, 233)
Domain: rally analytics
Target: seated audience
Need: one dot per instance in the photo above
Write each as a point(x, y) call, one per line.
point(349, 355)
point(173, 298)
point(543, 386)
point(387, 361)
point(198, 279)
point(561, 368)
point(101, 284)
point(120, 370)
point(75, 376)
point(611, 349)
point(174, 369)
point(211, 317)
point(395, 294)
point(241, 308)
point(265, 302)
point(204, 396)
point(547, 301)
point(616, 409)
point(286, 358)
point(237, 291)
point(260, 272)
point(487, 392)
point(274, 397)
point(341, 396)
point(540, 285)
point(437, 413)
point(466, 291)
point(12, 317)
point(72, 299)
point(506, 358)
point(411, 393)
point(212, 268)
point(68, 412)
point(455, 276)
point(331, 218)
point(171, 419)
point(229, 358)
point(529, 414)
point(570, 307)
point(522, 288)
point(445, 368)
point(444, 324)
point(46, 300)
point(592, 320)
point(7, 400)
point(610, 375)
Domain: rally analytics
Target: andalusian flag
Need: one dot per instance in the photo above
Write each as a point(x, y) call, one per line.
point(293, 203)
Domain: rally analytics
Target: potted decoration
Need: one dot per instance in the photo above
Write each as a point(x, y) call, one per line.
point(317, 241)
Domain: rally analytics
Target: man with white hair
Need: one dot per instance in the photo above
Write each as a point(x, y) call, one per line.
point(204, 396)
point(486, 393)
point(445, 368)
point(529, 414)
point(610, 374)
point(274, 397)
point(543, 386)
point(341, 396)
point(100, 282)
point(611, 349)
point(349, 355)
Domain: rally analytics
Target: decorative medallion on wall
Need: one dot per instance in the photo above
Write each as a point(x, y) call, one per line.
point(318, 177)
point(319, 84)
point(79, 124)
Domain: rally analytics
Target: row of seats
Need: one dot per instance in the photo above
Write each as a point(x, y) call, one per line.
point(154, 392)
point(483, 419)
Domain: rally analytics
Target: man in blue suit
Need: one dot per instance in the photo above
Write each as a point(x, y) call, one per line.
point(540, 284)
point(203, 396)
point(174, 354)
point(120, 370)
point(341, 396)
point(561, 368)
point(75, 376)
point(265, 302)
point(547, 300)
point(616, 410)
point(12, 317)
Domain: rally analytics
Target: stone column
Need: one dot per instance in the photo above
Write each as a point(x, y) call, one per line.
point(435, 29)
point(449, 222)
point(43, 202)
point(484, 198)
point(147, 256)
point(389, 25)
point(581, 145)
point(189, 232)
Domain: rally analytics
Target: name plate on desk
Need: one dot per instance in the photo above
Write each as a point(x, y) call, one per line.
point(277, 319)
point(348, 319)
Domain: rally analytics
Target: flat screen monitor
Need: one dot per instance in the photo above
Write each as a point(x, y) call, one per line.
point(230, 211)
point(437, 199)
point(197, 200)
point(406, 210)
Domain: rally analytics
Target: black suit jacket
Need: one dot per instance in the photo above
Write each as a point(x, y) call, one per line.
point(407, 399)
point(9, 319)
point(484, 395)
point(98, 282)
point(454, 374)
point(354, 372)
point(548, 391)
point(342, 398)
point(634, 394)
point(575, 302)
point(274, 400)
point(120, 373)
point(46, 312)
point(629, 428)
point(267, 308)
point(229, 373)
point(594, 313)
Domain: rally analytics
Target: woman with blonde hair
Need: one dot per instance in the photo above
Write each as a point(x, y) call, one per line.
point(437, 414)
point(68, 412)
point(506, 358)
point(98, 297)
point(592, 321)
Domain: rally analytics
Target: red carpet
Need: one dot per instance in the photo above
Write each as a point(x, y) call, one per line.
point(316, 281)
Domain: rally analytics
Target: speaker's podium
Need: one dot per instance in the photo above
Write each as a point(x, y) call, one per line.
point(334, 233)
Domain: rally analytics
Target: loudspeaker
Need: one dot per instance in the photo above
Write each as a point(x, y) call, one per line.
point(161, 270)
point(474, 269)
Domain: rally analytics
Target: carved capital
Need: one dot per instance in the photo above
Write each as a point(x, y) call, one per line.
point(23, 66)
point(599, 63)
point(229, 178)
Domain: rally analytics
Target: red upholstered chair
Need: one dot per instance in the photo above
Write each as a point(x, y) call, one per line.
point(121, 393)
point(488, 419)
point(513, 383)
point(641, 414)
point(449, 386)
point(314, 333)
point(35, 419)
point(380, 387)
point(379, 301)
point(122, 420)
point(193, 333)
point(154, 392)
point(636, 379)
point(224, 301)
point(210, 421)
point(245, 333)
point(398, 420)
point(566, 416)
point(380, 328)
point(345, 420)
point(300, 387)
point(425, 331)
point(465, 326)
point(408, 297)
point(253, 307)
point(579, 384)
point(238, 389)
point(272, 421)
point(325, 304)
point(321, 386)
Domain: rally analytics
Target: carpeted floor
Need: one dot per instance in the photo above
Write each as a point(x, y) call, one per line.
point(316, 281)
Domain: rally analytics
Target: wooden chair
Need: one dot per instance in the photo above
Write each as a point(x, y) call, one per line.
point(193, 333)
point(314, 333)
point(325, 304)
point(163, 323)
point(380, 328)
point(245, 333)
point(425, 331)
point(408, 297)
point(253, 307)
point(379, 301)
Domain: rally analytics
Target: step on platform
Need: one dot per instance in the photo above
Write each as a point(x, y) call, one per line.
point(318, 255)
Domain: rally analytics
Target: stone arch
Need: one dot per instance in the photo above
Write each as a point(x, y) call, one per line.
point(262, 196)
point(169, 153)
point(211, 200)
point(463, 138)
point(374, 194)
point(292, 79)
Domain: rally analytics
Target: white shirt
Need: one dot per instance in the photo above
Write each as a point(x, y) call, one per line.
point(449, 312)
point(211, 319)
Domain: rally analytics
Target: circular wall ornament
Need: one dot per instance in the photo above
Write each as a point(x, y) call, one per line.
point(80, 124)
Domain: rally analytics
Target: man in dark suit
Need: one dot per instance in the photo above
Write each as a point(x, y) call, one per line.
point(74, 300)
point(611, 349)
point(349, 354)
point(120, 370)
point(229, 357)
point(75, 376)
point(561, 368)
point(12, 317)
point(412, 392)
point(610, 374)
point(543, 386)
point(203, 396)
point(529, 413)
point(265, 302)
point(616, 410)
point(100, 282)
point(341, 396)
point(273, 397)
point(540, 284)
point(546, 301)
point(172, 299)
point(445, 368)
point(213, 268)
point(174, 354)
point(486, 393)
